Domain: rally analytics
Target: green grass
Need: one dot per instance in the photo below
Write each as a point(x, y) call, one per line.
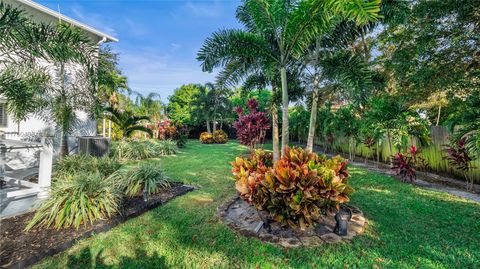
point(409, 227)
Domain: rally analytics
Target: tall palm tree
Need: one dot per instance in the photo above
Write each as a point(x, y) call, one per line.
point(292, 24)
point(73, 56)
point(128, 122)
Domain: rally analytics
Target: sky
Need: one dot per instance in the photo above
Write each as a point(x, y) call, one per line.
point(158, 39)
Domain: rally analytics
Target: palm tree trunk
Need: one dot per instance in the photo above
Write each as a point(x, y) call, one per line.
point(275, 138)
point(313, 115)
point(64, 144)
point(285, 133)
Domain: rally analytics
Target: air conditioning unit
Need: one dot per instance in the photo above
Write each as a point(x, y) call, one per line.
point(97, 146)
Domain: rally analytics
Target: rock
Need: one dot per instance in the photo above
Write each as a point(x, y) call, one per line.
point(354, 227)
point(289, 242)
point(350, 235)
point(331, 238)
point(311, 241)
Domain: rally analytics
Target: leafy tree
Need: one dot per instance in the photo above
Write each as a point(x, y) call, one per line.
point(180, 105)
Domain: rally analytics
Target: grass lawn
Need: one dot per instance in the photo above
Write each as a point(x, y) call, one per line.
point(409, 227)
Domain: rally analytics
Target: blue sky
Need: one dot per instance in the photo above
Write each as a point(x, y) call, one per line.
point(159, 39)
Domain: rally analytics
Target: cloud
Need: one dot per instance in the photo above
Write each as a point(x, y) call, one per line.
point(149, 70)
point(209, 9)
point(94, 20)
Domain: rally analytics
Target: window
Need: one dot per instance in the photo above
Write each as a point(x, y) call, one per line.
point(3, 115)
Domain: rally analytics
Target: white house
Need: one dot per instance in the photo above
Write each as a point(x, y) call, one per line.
point(34, 127)
point(18, 159)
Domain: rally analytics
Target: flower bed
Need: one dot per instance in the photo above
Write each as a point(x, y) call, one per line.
point(20, 249)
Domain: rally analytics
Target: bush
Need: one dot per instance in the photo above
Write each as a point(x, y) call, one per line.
point(220, 137)
point(140, 150)
point(79, 198)
point(251, 128)
point(145, 176)
point(297, 189)
point(74, 164)
point(206, 138)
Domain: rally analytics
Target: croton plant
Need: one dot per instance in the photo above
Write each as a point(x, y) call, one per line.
point(296, 189)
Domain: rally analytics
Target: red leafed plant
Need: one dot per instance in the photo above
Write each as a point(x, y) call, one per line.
point(407, 164)
point(403, 166)
point(296, 189)
point(458, 157)
point(252, 127)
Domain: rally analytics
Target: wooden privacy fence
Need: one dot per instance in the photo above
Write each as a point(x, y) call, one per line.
point(433, 153)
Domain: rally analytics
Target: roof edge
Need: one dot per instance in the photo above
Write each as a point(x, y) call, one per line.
point(62, 17)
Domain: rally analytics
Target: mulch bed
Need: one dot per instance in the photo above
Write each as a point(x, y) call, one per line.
point(20, 249)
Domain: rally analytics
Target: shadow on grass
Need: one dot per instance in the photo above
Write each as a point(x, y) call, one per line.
point(86, 260)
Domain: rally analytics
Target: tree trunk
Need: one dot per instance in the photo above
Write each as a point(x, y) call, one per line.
point(208, 125)
point(438, 115)
point(285, 133)
point(64, 144)
point(313, 115)
point(275, 138)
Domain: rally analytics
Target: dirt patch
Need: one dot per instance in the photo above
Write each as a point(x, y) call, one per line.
point(20, 249)
point(247, 220)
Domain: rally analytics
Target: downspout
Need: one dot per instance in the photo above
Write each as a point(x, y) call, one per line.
point(103, 40)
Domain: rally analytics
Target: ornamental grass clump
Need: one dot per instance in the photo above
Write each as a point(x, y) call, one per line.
point(297, 189)
point(140, 150)
point(73, 164)
point(78, 199)
point(146, 177)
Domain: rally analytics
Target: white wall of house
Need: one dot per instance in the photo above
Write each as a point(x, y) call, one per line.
point(37, 128)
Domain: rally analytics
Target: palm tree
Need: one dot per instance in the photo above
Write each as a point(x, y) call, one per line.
point(292, 24)
point(128, 122)
point(73, 56)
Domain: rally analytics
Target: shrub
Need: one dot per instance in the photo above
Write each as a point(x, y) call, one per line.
point(220, 137)
point(251, 128)
point(162, 147)
point(407, 164)
point(80, 198)
point(297, 189)
point(145, 176)
point(458, 157)
point(139, 150)
point(74, 164)
point(206, 138)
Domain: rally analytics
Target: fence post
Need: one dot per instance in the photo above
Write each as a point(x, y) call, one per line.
point(45, 171)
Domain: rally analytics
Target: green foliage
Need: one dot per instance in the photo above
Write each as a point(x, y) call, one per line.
point(77, 199)
point(180, 104)
point(75, 164)
point(296, 189)
point(140, 150)
point(146, 177)
point(128, 122)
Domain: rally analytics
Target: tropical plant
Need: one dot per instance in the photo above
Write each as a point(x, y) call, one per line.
point(128, 122)
point(145, 177)
point(140, 150)
point(76, 199)
point(206, 138)
point(82, 163)
point(297, 189)
point(220, 137)
point(457, 155)
point(252, 127)
point(292, 25)
point(407, 164)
